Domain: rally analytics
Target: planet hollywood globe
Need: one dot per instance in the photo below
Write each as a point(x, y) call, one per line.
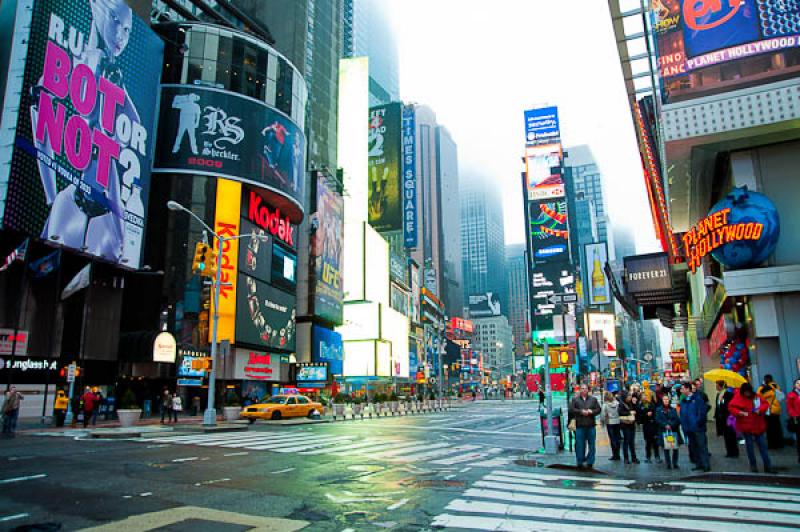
point(745, 207)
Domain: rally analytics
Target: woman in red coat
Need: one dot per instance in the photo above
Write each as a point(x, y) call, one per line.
point(750, 409)
point(793, 410)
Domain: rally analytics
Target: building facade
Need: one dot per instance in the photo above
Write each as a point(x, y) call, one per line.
point(493, 338)
point(587, 182)
point(518, 307)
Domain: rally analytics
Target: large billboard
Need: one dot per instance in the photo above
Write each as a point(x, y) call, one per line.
point(541, 126)
point(546, 280)
point(598, 288)
point(80, 170)
point(543, 172)
point(410, 238)
point(265, 316)
point(549, 231)
point(708, 36)
point(327, 346)
point(213, 132)
point(605, 323)
point(484, 305)
point(226, 224)
point(384, 161)
point(326, 253)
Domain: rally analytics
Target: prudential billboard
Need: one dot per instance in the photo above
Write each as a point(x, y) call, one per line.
point(80, 172)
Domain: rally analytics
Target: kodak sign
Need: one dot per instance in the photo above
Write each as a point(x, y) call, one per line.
point(269, 219)
point(226, 224)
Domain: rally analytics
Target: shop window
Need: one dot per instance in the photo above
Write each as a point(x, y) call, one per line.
point(197, 42)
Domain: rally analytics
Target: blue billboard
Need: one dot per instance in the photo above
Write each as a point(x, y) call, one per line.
point(413, 360)
point(409, 164)
point(541, 126)
point(327, 346)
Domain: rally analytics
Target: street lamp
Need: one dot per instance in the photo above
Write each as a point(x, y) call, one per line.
point(210, 415)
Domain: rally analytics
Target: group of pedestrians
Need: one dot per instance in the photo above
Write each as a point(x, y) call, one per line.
point(10, 410)
point(171, 406)
point(674, 416)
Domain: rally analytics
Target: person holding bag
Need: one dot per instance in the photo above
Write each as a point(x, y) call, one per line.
point(793, 410)
point(177, 406)
point(750, 409)
point(610, 418)
point(773, 395)
point(645, 416)
point(669, 434)
point(627, 418)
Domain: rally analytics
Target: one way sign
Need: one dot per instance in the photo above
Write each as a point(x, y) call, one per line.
point(563, 298)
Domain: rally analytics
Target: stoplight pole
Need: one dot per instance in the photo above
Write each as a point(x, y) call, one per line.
point(210, 415)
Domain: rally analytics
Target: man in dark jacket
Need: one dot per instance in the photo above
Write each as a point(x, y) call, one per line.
point(725, 396)
point(693, 422)
point(583, 409)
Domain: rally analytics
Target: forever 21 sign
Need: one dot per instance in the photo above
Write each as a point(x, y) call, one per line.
point(267, 217)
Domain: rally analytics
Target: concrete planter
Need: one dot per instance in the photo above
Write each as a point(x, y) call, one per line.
point(128, 417)
point(338, 410)
point(231, 413)
point(394, 406)
point(358, 411)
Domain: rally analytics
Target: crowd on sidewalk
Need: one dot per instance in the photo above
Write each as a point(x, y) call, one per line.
point(671, 417)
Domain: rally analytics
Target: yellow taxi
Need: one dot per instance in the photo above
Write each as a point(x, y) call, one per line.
point(282, 406)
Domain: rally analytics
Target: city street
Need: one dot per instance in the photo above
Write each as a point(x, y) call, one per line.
point(473, 467)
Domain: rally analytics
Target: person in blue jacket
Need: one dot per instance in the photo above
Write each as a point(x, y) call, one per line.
point(693, 422)
point(667, 421)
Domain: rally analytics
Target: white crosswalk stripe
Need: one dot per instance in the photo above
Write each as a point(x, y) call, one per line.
point(516, 501)
point(314, 443)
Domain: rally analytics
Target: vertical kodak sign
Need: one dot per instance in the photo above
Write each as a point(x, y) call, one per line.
point(226, 224)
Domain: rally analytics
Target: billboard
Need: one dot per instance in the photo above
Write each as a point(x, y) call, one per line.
point(326, 253)
point(409, 132)
point(384, 204)
point(217, 133)
point(484, 305)
point(546, 280)
point(647, 273)
point(549, 231)
point(256, 365)
point(327, 346)
point(724, 40)
point(255, 256)
point(541, 126)
point(80, 169)
point(599, 290)
point(265, 316)
point(226, 224)
point(605, 323)
point(269, 217)
point(543, 172)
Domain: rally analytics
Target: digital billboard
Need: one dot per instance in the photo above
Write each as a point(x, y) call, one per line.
point(484, 305)
point(546, 280)
point(212, 132)
point(327, 346)
point(409, 132)
point(599, 290)
point(384, 161)
point(311, 373)
point(605, 322)
point(326, 252)
point(549, 231)
point(255, 253)
point(543, 172)
point(265, 316)
point(80, 169)
point(725, 39)
point(541, 126)
point(256, 365)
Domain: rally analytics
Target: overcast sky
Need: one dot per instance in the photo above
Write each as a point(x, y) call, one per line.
point(479, 64)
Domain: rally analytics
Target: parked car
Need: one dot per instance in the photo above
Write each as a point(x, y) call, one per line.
point(282, 406)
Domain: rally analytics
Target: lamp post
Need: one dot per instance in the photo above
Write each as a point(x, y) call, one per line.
point(210, 415)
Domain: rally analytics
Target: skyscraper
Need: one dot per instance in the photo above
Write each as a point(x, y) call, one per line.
point(367, 32)
point(587, 180)
point(452, 278)
point(482, 238)
point(518, 306)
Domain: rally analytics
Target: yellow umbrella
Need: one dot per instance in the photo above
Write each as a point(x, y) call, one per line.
point(731, 378)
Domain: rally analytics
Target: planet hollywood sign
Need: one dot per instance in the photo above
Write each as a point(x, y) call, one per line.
point(714, 231)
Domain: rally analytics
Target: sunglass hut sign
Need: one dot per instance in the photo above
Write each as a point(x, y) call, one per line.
point(269, 218)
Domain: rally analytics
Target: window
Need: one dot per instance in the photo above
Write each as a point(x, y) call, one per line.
point(291, 401)
point(302, 400)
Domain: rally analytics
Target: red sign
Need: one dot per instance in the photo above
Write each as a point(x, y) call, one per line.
point(714, 231)
point(723, 11)
point(462, 325)
point(532, 382)
point(558, 382)
point(270, 220)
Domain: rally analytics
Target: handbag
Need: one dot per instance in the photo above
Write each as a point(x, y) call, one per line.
point(670, 440)
point(572, 426)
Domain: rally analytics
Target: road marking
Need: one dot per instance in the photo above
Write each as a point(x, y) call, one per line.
point(474, 522)
point(398, 504)
point(378, 447)
point(416, 446)
point(283, 471)
point(13, 517)
point(146, 494)
point(188, 459)
point(243, 453)
point(350, 447)
point(465, 470)
point(208, 482)
point(440, 452)
point(307, 443)
point(20, 479)
point(158, 446)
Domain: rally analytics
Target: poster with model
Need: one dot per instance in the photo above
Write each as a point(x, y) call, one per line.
point(265, 316)
point(326, 252)
point(80, 172)
point(384, 205)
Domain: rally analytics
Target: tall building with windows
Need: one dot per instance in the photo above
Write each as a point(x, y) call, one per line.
point(518, 307)
point(493, 338)
point(587, 181)
point(368, 33)
point(482, 238)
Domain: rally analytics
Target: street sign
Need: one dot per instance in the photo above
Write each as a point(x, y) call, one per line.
point(71, 372)
point(563, 298)
point(647, 356)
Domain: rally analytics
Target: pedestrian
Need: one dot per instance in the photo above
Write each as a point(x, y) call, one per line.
point(693, 421)
point(166, 405)
point(541, 397)
point(773, 395)
point(60, 408)
point(11, 406)
point(793, 410)
point(750, 410)
point(721, 414)
point(699, 389)
point(474, 394)
point(89, 403)
point(98, 401)
point(610, 418)
point(669, 433)
point(177, 406)
point(584, 408)
point(195, 405)
point(645, 416)
point(627, 418)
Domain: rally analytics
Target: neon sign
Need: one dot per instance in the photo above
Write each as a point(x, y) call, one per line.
point(695, 11)
point(715, 231)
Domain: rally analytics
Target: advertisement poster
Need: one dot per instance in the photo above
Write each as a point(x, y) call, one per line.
point(546, 280)
point(255, 253)
point(267, 216)
point(226, 224)
point(211, 132)
point(605, 323)
point(311, 373)
point(265, 316)
point(541, 126)
point(413, 360)
point(543, 172)
point(599, 290)
point(326, 252)
point(549, 231)
point(80, 171)
point(256, 365)
point(410, 239)
point(484, 305)
point(327, 347)
point(384, 204)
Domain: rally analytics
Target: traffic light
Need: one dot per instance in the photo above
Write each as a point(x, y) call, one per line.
point(199, 263)
point(210, 269)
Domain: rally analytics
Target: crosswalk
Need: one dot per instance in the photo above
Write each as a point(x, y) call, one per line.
point(508, 500)
point(393, 449)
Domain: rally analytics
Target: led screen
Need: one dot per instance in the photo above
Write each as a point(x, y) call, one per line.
point(311, 374)
point(385, 211)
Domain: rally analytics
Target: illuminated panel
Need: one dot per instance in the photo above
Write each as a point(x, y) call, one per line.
point(395, 329)
point(359, 358)
point(376, 267)
point(361, 322)
point(383, 357)
point(605, 323)
point(352, 136)
point(353, 270)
